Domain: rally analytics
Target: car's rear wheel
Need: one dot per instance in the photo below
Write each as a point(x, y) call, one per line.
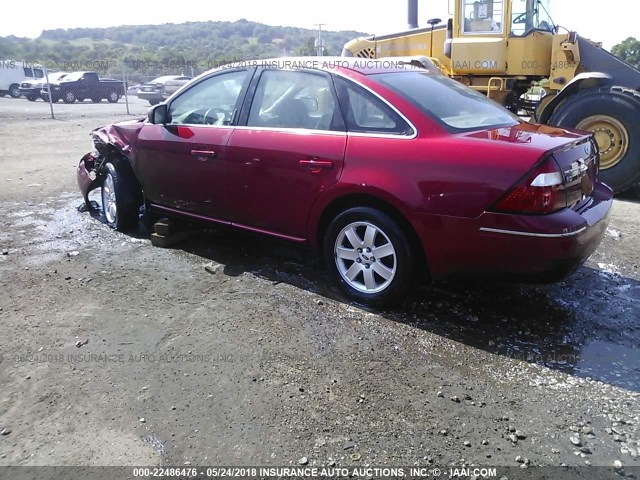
point(68, 97)
point(154, 102)
point(119, 198)
point(14, 90)
point(369, 255)
point(32, 98)
point(113, 96)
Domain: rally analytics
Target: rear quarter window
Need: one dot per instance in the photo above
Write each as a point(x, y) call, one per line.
point(454, 106)
point(366, 113)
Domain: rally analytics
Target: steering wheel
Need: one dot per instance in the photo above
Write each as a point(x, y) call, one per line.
point(219, 120)
point(522, 18)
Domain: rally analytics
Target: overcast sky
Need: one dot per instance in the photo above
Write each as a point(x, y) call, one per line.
point(609, 21)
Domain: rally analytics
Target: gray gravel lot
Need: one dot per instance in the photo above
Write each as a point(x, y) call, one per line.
point(114, 352)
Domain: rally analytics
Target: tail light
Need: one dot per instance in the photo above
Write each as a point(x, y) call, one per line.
point(541, 191)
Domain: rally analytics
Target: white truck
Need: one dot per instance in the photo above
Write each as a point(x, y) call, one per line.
point(12, 73)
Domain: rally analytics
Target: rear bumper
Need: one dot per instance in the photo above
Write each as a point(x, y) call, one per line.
point(540, 248)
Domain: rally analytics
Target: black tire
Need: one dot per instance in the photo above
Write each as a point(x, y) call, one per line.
point(119, 191)
point(154, 102)
point(389, 231)
point(620, 104)
point(68, 97)
point(112, 96)
point(32, 98)
point(14, 90)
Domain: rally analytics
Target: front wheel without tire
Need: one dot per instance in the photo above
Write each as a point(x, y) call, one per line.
point(119, 199)
point(611, 114)
point(369, 255)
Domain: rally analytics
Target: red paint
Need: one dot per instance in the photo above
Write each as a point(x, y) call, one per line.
point(450, 188)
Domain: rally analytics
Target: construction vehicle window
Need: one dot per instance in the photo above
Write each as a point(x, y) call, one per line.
point(290, 99)
point(482, 16)
point(528, 15)
point(365, 113)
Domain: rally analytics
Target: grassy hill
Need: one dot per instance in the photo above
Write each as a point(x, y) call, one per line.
point(149, 50)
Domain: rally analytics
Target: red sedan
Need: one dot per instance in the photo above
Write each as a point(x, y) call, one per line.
point(387, 168)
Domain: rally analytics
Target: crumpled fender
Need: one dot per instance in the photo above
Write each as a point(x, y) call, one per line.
point(120, 136)
point(111, 140)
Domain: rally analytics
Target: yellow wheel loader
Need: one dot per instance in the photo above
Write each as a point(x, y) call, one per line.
point(504, 47)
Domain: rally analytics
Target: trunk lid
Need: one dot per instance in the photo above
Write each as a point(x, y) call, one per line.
point(579, 164)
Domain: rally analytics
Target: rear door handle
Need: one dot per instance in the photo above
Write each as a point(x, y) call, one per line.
point(315, 166)
point(203, 155)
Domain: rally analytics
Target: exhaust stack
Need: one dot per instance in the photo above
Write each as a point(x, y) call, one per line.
point(412, 14)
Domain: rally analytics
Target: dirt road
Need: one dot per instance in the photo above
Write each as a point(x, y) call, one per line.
point(114, 352)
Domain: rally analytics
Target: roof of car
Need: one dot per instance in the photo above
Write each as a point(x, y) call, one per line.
point(366, 66)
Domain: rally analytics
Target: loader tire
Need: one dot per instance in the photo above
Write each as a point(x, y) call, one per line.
point(611, 113)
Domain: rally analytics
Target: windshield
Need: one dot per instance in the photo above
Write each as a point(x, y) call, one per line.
point(72, 77)
point(528, 15)
point(456, 107)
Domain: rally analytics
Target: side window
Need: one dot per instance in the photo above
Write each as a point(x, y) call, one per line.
point(365, 113)
point(210, 102)
point(293, 99)
point(482, 16)
point(39, 73)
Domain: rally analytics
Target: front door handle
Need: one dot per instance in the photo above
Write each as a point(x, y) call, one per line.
point(203, 155)
point(315, 166)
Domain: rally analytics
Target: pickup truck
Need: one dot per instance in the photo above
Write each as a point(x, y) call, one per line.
point(81, 85)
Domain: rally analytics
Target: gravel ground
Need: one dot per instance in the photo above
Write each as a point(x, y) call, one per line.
point(114, 352)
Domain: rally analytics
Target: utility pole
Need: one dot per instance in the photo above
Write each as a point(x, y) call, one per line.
point(319, 46)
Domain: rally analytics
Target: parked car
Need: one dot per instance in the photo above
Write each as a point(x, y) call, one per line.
point(31, 89)
point(13, 73)
point(82, 85)
point(389, 171)
point(161, 88)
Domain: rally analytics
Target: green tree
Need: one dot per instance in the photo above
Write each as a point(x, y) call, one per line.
point(629, 51)
point(308, 48)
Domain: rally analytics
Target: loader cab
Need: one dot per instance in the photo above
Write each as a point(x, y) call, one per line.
point(482, 17)
point(491, 38)
point(515, 18)
point(530, 15)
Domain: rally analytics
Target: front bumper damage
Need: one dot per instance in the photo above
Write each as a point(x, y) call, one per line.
point(89, 174)
point(112, 144)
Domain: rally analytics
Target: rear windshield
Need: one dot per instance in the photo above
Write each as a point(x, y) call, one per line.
point(456, 107)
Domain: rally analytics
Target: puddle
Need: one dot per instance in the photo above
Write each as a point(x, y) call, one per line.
point(611, 363)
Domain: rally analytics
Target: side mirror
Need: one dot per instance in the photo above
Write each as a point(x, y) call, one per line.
point(158, 114)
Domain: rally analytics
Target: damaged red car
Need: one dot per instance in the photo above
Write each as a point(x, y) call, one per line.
point(389, 170)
